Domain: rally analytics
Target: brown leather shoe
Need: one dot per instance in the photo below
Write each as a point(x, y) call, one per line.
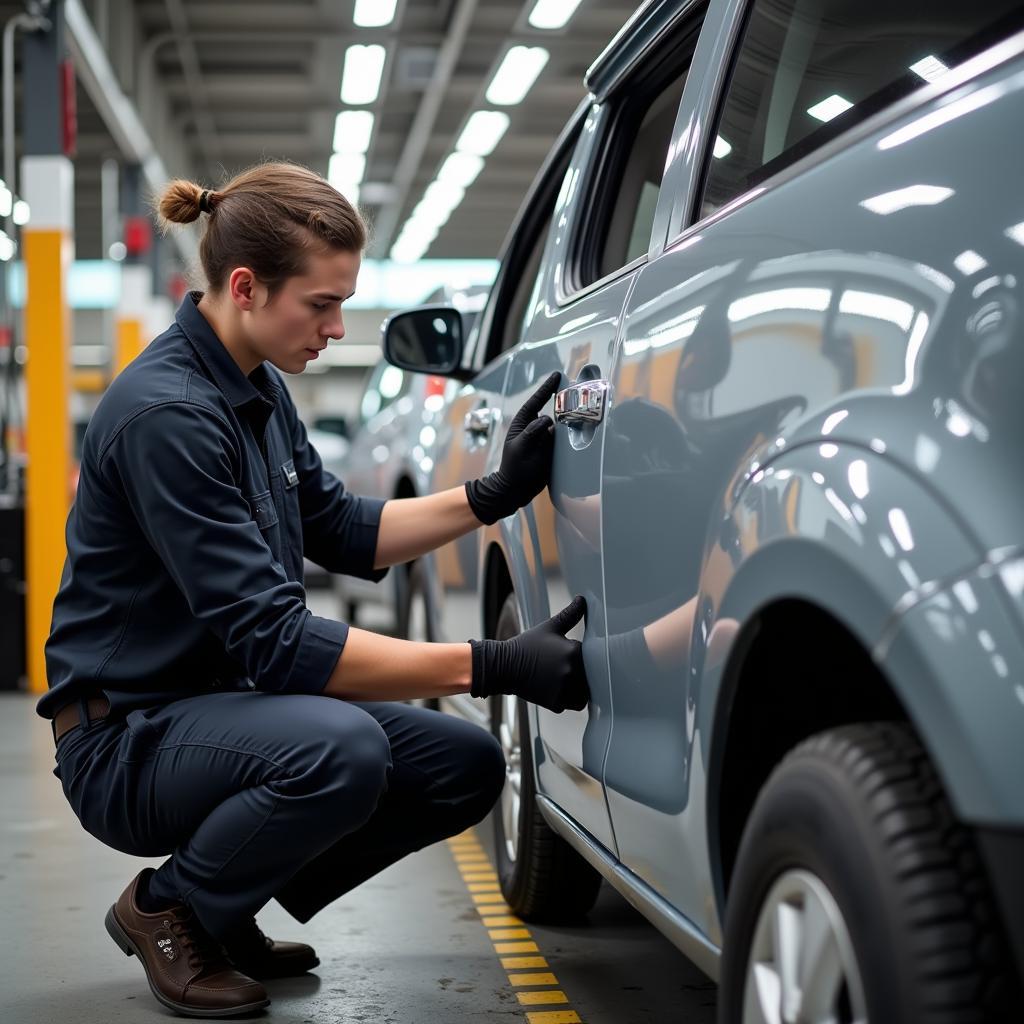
point(258, 956)
point(185, 967)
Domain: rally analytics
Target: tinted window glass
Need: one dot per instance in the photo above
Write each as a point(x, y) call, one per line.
point(808, 70)
point(625, 194)
point(515, 296)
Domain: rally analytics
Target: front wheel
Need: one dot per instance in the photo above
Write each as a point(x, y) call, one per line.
point(858, 897)
point(542, 877)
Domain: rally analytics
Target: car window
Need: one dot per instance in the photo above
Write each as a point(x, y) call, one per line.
point(385, 385)
point(623, 195)
point(807, 70)
point(516, 293)
point(526, 286)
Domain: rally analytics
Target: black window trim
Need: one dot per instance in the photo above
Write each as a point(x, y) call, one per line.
point(641, 86)
point(538, 206)
point(987, 60)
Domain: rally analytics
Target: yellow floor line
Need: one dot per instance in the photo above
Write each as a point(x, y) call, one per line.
point(530, 975)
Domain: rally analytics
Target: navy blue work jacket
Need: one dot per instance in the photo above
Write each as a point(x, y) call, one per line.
point(198, 495)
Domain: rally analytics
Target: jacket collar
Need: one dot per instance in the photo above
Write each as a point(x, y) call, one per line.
point(238, 389)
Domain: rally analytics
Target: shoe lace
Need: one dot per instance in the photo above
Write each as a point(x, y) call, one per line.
point(201, 948)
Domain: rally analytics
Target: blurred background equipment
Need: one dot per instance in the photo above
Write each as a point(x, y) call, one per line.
point(433, 117)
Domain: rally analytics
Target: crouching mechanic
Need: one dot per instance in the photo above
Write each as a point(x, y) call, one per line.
point(200, 710)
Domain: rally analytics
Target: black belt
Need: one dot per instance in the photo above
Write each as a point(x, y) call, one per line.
point(69, 716)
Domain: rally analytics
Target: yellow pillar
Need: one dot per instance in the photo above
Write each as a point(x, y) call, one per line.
point(136, 294)
point(47, 249)
point(128, 343)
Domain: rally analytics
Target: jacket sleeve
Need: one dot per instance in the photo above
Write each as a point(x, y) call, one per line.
point(339, 529)
point(177, 465)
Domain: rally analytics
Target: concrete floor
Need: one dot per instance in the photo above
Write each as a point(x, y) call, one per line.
point(407, 947)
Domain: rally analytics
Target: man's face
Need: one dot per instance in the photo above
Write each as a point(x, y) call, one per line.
point(292, 328)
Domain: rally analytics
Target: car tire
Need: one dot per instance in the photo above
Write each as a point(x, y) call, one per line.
point(414, 621)
point(853, 861)
point(542, 877)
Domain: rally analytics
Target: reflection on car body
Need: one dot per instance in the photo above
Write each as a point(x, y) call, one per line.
point(786, 241)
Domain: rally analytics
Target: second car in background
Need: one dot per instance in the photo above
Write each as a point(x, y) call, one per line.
point(388, 458)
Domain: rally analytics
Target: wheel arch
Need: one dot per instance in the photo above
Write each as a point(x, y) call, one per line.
point(810, 572)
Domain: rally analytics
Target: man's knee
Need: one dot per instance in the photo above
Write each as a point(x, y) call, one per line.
point(486, 767)
point(349, 756)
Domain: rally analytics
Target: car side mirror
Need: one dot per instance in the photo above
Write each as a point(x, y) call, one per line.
point(427, 339)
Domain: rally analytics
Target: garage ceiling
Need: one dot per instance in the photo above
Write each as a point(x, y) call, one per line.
point(236, 82)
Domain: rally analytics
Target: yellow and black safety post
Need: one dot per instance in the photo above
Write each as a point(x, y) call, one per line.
point(47, 243)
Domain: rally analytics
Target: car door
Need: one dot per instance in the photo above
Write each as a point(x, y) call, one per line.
point(367, 461)
point(469, 429)
point(604, 230)
point(784, 288)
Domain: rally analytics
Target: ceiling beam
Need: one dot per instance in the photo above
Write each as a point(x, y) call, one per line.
point(205, 128)
point(386, 222)
point(118, 112)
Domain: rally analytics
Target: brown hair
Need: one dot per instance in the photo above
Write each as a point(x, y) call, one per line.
point(268, 218)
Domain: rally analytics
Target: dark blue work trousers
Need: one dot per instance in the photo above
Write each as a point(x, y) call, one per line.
point(257, 796)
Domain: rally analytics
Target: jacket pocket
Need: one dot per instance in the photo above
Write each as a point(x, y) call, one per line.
point(264, 511)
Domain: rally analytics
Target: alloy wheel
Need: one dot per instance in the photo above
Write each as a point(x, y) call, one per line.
point(802, 968)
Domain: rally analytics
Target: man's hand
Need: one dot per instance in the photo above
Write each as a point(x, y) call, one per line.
point(540, 665)
point(525, 461)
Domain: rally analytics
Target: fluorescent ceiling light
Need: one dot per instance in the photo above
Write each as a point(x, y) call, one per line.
point(6, 200)
point(552, 13)
point(21, 212)
point(345, 173)
point(408, 249)
point(444, 194)
point(419, 231)
point(352, 131)
point(1016, 232)
point(969, 262)
point(351, 192)
point(364, 67)
point(347, 168)
point(930, 68)
point(6, 247)
point(831, 108)
point(915, 195)
point(460, 169)
point(516, 74)
point(722, 148)
point(426, 217)
point(483, 132)
point(374, 13)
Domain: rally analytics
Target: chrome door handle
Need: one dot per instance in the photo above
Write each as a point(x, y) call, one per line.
point(478, 423)
point(582, 403)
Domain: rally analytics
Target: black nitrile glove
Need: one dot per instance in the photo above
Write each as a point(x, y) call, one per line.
point(540, 665)
point(525, 461)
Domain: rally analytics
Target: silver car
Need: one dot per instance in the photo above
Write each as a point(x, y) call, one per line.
point(778, 257)
point(386, 458)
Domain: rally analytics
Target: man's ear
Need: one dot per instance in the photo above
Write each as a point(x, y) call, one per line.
point(242, 288)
